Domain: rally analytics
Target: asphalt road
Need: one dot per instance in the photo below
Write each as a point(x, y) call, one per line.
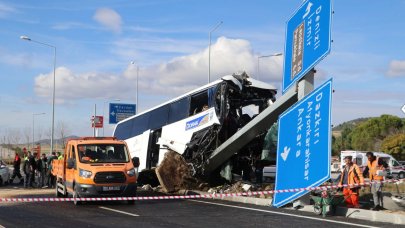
point(163, 213)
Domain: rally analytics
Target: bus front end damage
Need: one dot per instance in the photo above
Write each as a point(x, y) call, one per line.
point(237, 100)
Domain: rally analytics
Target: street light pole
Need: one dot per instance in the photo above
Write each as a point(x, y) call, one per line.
point(209, 50)
point(53, 90)
point(33, 127)
point(137, 83)
point(104, 119)
point(264, 56)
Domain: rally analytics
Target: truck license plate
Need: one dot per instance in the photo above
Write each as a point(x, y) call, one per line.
point(111, 188)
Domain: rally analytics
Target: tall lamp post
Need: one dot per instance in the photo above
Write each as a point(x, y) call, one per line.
point(209, 50)
point(264, 56)
point(104, 119)
point(33, 126)
point(137, 83)
point(53, 90)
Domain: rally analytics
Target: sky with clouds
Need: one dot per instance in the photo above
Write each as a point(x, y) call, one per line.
point(96, 41)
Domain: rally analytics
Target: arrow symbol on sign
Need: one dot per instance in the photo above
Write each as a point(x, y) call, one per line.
point(403, 108)
point(307, 10)
point(113, 113)
point(285, 153)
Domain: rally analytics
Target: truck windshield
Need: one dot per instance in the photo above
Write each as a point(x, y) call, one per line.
point(102, 153)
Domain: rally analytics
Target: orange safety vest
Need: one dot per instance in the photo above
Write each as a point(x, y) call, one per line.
point(373, 167)
point(354, 175)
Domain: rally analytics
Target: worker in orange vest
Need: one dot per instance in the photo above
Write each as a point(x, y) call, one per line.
point(374, 169)
point(351, 175)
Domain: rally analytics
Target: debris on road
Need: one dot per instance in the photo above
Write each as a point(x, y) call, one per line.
point(174, 173)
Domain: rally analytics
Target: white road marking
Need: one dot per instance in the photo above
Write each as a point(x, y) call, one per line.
point(282, 213)
point(118, 211)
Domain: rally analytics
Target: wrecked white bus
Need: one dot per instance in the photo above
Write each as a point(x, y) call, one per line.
point(198, 122)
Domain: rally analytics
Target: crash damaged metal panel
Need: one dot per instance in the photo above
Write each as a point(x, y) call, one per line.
point(255, 127)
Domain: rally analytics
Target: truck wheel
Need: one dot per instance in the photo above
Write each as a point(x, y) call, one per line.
point(401, 175)
point(59, 194)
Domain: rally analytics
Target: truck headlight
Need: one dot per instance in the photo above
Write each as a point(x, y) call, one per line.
point(84, 173)
point(131, 172)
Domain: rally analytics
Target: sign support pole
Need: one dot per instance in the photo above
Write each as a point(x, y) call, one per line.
point(306, 85)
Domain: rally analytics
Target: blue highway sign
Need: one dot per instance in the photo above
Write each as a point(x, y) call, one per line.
point(304, 145)
point(120, 112)
point(308, 39)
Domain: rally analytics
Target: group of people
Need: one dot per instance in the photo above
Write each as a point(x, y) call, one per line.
point(351, 176)
point(34, 166)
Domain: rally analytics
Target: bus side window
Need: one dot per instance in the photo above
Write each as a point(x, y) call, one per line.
point(159, 117)
point(123, 130)
point(140, 124)
point(179, 110)
point(198, 102)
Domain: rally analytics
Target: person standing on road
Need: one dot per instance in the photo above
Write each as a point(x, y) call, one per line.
point(16, 171)
point(44, 171)
point(60, 156)
point(27, 170)
point(40, 170)
point(33, 169)
point(375, 165)
point(351, 175)
point(51, 178)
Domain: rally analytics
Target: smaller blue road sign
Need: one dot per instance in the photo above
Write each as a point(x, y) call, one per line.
point(120, 112)
point(304, 145)
point(308, 39)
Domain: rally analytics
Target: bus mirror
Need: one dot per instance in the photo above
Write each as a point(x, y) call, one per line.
point(135, 161)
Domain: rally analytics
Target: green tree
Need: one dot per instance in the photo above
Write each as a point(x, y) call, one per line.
point(370, 134)
point(395, 145)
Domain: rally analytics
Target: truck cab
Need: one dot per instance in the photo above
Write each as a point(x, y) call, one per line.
point(94, 167)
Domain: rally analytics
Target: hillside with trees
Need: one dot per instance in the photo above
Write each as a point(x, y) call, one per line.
point(385, 133)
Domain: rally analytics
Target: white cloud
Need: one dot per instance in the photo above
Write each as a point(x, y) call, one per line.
point(169, 79)
point(71, 86)
point(108, 18)
point(396, 68)
point(6, 10)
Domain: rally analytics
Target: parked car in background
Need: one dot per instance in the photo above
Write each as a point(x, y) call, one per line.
point(4, 173)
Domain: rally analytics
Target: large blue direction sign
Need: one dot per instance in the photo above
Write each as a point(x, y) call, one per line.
point(304, 145)
point(308, 39)
point(120, 112)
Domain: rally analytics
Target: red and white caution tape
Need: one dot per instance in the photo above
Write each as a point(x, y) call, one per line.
point(204, 196)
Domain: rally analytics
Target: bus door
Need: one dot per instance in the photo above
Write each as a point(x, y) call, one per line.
point(141, 149)
point(153, 149)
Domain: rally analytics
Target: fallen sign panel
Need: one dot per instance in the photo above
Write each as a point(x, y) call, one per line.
point(304, 145)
